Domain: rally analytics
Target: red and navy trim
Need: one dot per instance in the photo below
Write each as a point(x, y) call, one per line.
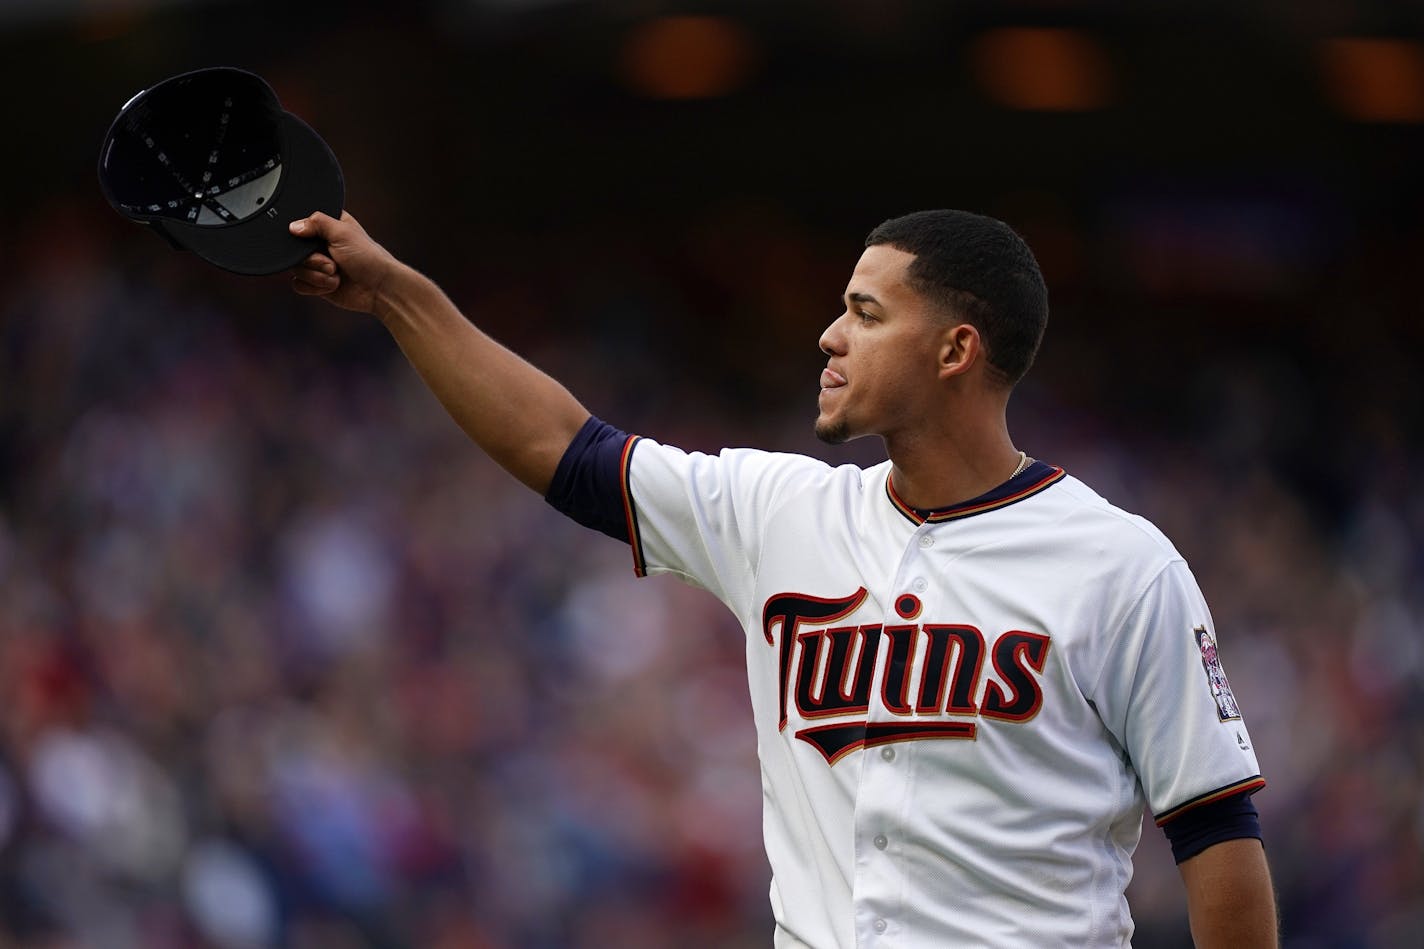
point(1033, 479)
point(1246, 786)
point(630, 512)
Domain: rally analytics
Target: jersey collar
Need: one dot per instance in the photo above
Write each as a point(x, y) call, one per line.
point(1026, 483)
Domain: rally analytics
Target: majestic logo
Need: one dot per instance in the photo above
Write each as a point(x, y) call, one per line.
point(829, 671)
point(1226, 707)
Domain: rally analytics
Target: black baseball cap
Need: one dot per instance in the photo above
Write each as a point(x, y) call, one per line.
point(212, 162)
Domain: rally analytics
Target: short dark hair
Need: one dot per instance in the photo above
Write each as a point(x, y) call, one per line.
point(978, 269)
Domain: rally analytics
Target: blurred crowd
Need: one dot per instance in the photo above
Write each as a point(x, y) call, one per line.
point(288, 663)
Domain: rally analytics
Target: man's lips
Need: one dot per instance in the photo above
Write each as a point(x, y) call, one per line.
point(830, 379)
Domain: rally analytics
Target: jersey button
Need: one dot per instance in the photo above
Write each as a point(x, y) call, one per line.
point(920, 585)
point(888, 754)
point(926, 541)
point(881, 842)
point(881, 925)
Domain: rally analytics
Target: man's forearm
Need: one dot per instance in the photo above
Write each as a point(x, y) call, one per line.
point(521, 417)
point(1229, 897)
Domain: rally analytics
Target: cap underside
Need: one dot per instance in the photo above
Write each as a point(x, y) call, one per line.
point(212, 161)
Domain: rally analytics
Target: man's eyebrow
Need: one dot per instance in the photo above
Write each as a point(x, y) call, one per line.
point(859, 298)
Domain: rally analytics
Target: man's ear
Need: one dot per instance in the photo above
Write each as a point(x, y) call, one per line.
point(960, 350)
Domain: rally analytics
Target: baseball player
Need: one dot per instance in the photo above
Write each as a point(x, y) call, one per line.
point(969, 672)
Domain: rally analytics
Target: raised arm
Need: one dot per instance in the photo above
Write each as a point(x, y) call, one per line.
point(1229, 898)
point(521, 417)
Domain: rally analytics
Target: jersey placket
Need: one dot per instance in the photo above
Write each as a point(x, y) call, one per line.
point(887, 775)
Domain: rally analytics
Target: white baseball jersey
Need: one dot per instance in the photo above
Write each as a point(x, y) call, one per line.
point(961, 713)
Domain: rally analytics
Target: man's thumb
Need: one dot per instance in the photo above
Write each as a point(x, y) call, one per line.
point(314, 226)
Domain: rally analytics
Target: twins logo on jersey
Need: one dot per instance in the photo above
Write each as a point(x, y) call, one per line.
point(1226, 707)
point(828, 671)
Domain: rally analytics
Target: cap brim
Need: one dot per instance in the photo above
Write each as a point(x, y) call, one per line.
point(311, 181)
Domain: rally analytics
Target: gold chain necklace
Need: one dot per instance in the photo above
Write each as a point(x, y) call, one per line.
point(1023, 463)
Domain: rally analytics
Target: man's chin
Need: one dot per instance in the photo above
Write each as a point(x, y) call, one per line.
point(832, 431)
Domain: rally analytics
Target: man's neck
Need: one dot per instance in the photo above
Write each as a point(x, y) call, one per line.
point(945, 469)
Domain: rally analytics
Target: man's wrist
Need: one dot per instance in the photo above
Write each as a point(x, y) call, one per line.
point(396, 292)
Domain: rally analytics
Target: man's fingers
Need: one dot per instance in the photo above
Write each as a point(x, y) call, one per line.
point(307, 288)
point(319, 272)
point(319, 263)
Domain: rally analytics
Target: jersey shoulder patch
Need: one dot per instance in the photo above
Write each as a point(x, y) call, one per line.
point(1226, 708)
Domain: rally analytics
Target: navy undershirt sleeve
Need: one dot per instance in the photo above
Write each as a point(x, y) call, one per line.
point(588, 484)
point(1227, 819)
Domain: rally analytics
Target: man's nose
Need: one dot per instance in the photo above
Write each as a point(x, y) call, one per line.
point(832, 339)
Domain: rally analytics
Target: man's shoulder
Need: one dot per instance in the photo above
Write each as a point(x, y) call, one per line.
point(1084, 510)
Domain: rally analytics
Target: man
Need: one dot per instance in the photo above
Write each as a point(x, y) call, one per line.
point(969, 672)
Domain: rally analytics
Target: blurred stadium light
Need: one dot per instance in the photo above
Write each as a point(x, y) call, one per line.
point(687, 57)
point(1051, 70)
point(1375, 79)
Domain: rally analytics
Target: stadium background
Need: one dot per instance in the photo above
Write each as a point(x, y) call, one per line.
point(286, 662)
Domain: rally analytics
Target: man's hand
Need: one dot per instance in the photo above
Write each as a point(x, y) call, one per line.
point(353, 271)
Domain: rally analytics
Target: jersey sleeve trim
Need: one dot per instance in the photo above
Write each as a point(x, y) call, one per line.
point(1248, 786)
point(630, 512)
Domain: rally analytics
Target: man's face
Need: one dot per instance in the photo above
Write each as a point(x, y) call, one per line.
point(883, 349)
